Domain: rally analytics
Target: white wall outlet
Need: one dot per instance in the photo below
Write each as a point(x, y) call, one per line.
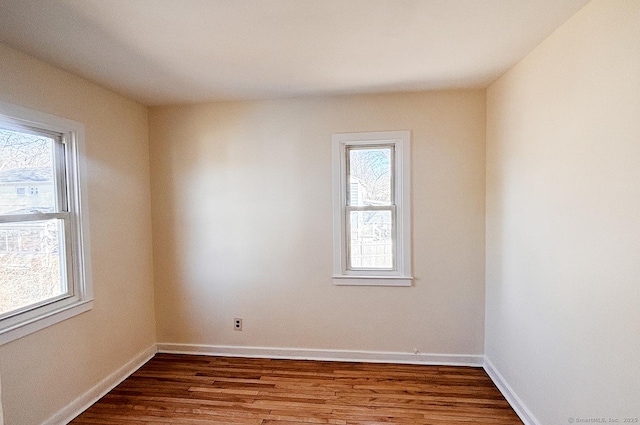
point(237, 324)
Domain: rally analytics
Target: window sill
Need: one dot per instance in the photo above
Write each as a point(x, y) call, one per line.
point(373, 280)
point(25, 328)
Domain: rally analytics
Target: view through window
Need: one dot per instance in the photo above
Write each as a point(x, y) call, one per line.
point(32, 221)
point(370, 207)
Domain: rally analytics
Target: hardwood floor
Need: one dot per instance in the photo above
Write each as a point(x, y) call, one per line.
point(182, 389)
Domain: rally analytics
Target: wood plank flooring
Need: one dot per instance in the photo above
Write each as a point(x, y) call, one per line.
point(184, 389)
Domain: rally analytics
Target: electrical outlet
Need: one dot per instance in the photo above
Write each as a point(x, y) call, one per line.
point(237, 324)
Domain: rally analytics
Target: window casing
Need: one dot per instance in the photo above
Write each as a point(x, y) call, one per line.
point(44, 241)
point(371, 209)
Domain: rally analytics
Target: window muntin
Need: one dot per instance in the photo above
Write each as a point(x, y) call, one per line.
point(371, 209)
point(44, 261)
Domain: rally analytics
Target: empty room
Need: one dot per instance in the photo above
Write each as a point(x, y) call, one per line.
point(349, 212)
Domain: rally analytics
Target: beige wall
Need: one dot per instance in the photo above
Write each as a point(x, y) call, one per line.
point(563, 210)
point(45, 371)
point(241, 199)
point(1, 413)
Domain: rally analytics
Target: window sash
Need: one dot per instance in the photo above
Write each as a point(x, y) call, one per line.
point(67, 281)
point(392, 166)
point(60, 185)
point(348, 230)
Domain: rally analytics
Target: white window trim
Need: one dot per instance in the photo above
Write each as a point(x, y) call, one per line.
point(31, 321)
point(401, 276)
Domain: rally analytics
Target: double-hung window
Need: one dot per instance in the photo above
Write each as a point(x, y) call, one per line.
point(44, 276)
point(371, 217)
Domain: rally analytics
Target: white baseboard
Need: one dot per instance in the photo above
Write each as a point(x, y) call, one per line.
point(82, 403)
point(518, 406)
point(327, 355)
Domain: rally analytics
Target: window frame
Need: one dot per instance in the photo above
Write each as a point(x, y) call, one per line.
point(400, 275)
point(71, 194)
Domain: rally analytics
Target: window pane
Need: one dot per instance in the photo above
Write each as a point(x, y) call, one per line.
point(370, 242)
point(26, 173)
point(31, 269)
point(370, 176)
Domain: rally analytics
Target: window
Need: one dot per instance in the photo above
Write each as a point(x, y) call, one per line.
point(371, 210)
point(44, 261)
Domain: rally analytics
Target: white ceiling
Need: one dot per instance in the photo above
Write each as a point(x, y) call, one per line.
point(182, 51)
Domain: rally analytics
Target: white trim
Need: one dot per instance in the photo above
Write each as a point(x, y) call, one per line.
point(372, 280)
point(324, 355)
point(516, 403)
point(44, 321)
point(401, 142)
point(82, 403)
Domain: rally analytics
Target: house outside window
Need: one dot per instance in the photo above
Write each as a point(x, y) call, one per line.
point(371, 209)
